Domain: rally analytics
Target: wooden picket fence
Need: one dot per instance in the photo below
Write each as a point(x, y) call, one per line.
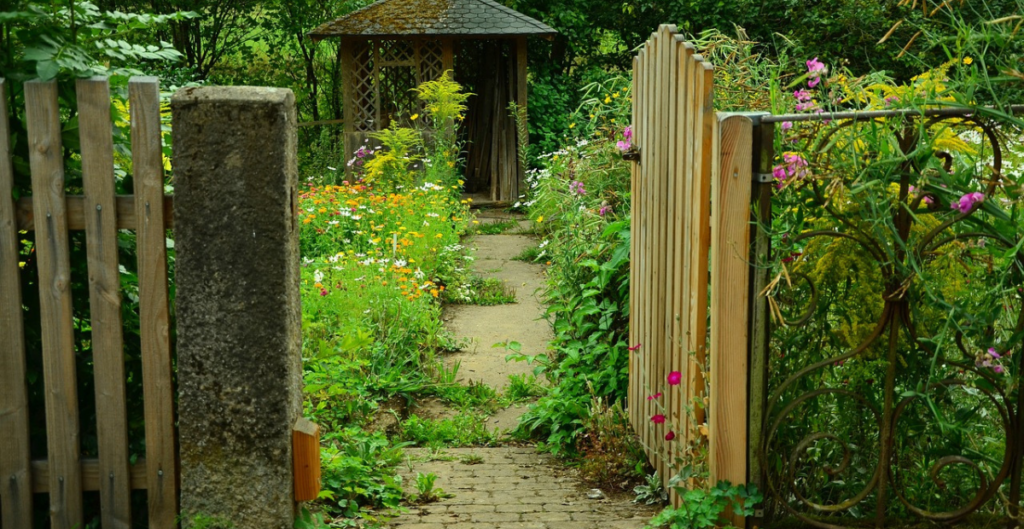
point(65, 474)
point(691, 185)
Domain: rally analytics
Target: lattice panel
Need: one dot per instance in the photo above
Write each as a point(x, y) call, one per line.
point(363, 88)
point(397, 100)
point(431, 63)
point(396, 52)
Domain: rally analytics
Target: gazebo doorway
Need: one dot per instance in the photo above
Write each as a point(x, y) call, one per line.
point(391, 46)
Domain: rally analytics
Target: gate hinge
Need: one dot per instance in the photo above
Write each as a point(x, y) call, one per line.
point(632, 155)
point(763, 178)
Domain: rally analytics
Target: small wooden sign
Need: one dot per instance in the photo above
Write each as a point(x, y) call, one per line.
point(306, 459)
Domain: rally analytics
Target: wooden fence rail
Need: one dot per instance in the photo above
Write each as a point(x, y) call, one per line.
point(64, 475)
point(691, 232)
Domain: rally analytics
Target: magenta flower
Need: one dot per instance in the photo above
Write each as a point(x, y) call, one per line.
point(997, 369)
point(670, 435)
point(967, 202)
point(634, 348)
point(323, 292)
point(577, 187)
point(786, 125)
point(779, 172)
point(655, 396)
point(623, 145)
point(658, 419)
point(674, 378)
point(628, 133)
point(992, 352)
point(604, 210)
point(814, 66)
point(802, 95)
point(814, 82)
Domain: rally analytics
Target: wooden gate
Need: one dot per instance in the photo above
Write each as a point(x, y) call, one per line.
point(691, 193)
point(65, 474)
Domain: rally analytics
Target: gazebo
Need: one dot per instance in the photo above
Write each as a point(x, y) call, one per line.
point(391, 46)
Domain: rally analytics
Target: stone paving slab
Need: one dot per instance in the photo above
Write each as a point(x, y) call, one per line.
point(510, 488)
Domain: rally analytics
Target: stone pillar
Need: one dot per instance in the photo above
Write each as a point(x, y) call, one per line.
point(238, 316)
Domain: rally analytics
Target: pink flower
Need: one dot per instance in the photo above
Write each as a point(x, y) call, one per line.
point(928, 200)
point(814, 82)
point(779, 172)
point(800, 107)
point(655, 396)
point(992, 352)
point(814, 66)
point(623, 145)
point(670, 435)
point(323, 292)
point(998, 369)
point(967, 202)
point(658, 419)
point(786, 125)
point(604, 210)
point(634, 348)
point(628, 133)
point(674, 378)
point(802, 95)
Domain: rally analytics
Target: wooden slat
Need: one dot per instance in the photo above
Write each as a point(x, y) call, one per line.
point(645, 250)
point(15, 480)
point(700, 227)
point(521, 95)
point(97, 144)
point(632, 399)
point(663, 314)
point(147, 163)
point(62, 428)
point(306, 460)
point(680, 355)
point(125, 205)
point(730, 281)
point(90, 470)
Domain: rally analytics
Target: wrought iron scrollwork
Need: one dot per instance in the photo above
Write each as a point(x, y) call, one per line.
point(865, 429)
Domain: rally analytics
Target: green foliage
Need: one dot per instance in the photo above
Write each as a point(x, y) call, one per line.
point(531, 254)
point(358, 473)
point(481, 291)
point(611, 456)
point(495, 228)
point(702, 509)
point(425, 491)
point(588, 285)
point(79, 40)
point(465, 429)
point(652, 492)
point(391, 168)
point(523, 387)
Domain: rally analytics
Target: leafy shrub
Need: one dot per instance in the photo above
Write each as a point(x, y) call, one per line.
point(358, 472)
point(465, 429)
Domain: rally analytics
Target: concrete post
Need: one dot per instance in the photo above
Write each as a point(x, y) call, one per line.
point(238, 316)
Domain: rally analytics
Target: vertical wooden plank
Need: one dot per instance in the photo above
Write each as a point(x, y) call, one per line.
point(730, 278)
point(636, 403)
point(62, 428)
point(680, 356)
point(700, 228)
point(672, 43)
point(105, 300)
point(664, 144)
point(147, 163)
point(521, 94)
point(447, 55)
point(764, 149)
point(15, 475)
point(650, 350)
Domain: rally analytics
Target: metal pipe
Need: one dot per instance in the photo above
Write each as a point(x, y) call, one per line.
point(873, 114)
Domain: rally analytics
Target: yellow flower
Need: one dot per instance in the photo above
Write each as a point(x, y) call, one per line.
point(414, 117)
point(540, 219)
point(968, 60)
point(572, 125)
point(607, 99)
point(615, 95)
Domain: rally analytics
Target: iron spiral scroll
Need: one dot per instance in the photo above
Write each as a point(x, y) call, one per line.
point(909, 447)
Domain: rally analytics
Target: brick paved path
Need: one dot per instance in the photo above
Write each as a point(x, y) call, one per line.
point(510, 488)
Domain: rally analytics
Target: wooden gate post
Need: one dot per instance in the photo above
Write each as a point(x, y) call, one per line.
point(239, 321)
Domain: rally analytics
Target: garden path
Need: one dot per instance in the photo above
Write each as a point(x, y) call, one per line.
point(510, 487)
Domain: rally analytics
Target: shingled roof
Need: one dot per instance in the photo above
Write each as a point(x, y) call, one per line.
point(392, 18)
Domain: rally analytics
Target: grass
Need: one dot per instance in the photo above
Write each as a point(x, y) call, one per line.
point(494, 228)
point(529, 255)
point(481, 291)
point(465, 429)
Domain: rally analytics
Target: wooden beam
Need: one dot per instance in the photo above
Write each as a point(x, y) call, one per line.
point(105, 299)
point(154, 317)
point(125, 204)
point(90, 475)
point(15, 479)
point(306, 459)
point(730, 291)
point(55, 308)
